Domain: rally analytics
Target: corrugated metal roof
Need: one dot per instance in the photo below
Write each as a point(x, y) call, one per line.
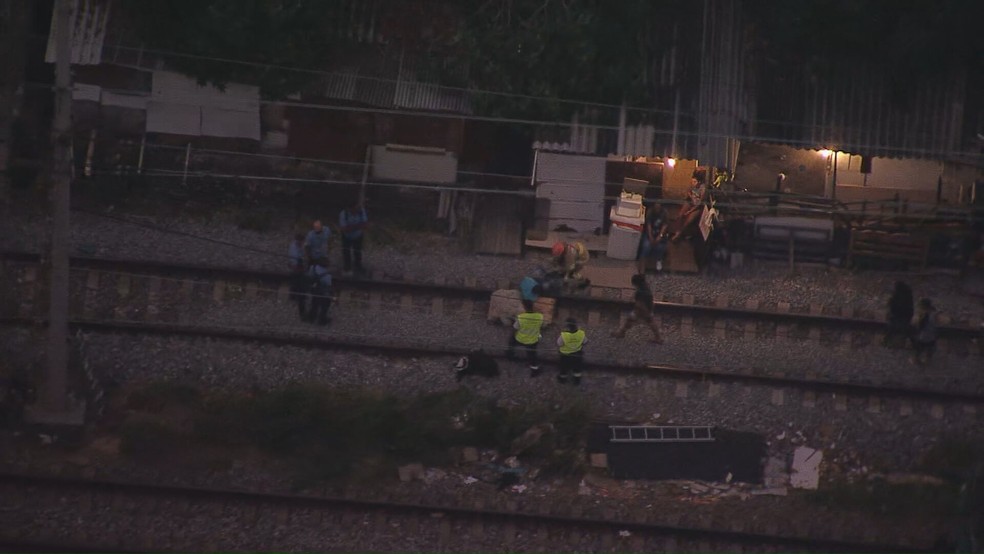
point(856, 113)
point(89, 25)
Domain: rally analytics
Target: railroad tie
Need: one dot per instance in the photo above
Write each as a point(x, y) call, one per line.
point(594, 318)
point(437, 306)
point(153, 296)
point(937, 411)
point(686, 325)
point(778, 397)
point(713, 390)
point(406, 302)
point(809, 399)
point(681, 389)
point(123, 286)
point(283, 293)
point(840, 403)
point(375, 300)
point(218, 291)
point(89, 296)
point(251, 290)
point(874, 405)
point(905, 408)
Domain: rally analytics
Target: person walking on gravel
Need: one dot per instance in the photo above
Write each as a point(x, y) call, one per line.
point(642, 310)
point(352, 223)
point(527, 335)
point(295, 264)
point(316, 243)
point(900, 312)
point(570, 345)
point(320, 292)
point(924, 337)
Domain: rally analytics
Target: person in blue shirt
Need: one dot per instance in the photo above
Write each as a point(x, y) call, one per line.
point(352, 223)
point(296, 266)
point(316, 243)
point(654, 241)
point(319, 291)
point(529, 288)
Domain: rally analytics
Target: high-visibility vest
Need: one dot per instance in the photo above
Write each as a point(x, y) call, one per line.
point(529, 327)
point(572, 341)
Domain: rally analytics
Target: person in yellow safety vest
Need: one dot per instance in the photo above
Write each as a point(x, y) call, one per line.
point(527, 335)
point(570, 344)
point(571, 257)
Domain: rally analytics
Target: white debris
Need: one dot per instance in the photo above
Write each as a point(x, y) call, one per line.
point(624, 533)
point(469, 480)
point(806, 468)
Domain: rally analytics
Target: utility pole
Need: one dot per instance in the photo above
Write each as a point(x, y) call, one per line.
point(54, 393)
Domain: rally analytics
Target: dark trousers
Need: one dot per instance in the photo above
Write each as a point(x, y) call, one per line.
point(571, 365)
point(319, 308)
point(351, 250)
point(531, 354)
point(298, 284)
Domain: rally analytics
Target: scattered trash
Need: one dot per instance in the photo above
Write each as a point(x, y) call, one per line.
point(729, 477)
point(806, 468)
point(432, 475)
point(624, 533)
point(583, 489)
point(530, 438)
point(512, 462)
point(469, 480)
point(518, 488)
point(781, 436)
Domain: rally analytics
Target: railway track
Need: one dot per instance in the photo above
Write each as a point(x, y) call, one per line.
point(110, 515)
point(813, 389)
point(824, 323)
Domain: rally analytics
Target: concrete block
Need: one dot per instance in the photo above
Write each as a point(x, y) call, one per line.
point(599, 460)
point(410, 472)
point(713, 390)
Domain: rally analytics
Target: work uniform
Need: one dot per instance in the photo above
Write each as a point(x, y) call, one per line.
point(571, 347)
point(316, 243)
point(320, 293)
point(352, 239)
point(575, 257)
point(527, 335)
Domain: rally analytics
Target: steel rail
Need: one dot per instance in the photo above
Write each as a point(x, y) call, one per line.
point(244, 496)
point(478, 293)
point(648, 370)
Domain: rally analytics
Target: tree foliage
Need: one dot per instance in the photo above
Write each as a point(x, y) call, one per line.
point(909, 40)
point(589, 50)
point(268, 33)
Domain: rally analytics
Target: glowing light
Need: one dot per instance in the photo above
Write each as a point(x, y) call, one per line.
point(825, 153)
point(670, 162)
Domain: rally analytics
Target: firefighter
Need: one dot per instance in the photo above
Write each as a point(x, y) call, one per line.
point(572, 257)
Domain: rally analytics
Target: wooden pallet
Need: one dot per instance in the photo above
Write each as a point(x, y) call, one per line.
point(885, 245)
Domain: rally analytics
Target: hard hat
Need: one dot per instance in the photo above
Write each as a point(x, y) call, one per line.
point(558, 248)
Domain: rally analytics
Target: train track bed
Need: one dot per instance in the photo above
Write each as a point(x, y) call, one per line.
point(762, 344)
point(117, 514)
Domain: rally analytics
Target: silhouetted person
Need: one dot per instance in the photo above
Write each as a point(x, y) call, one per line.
point(900, 312)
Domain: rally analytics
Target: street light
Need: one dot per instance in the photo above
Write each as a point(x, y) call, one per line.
point(825, 153)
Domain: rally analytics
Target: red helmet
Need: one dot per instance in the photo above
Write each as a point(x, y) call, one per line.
point(558, 249)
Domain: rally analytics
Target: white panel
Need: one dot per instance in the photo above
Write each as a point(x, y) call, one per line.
point(410, 166)
point(135, 101)
point(217, 122)
point(568, 167)
point(175, 119)
point(904, 174)
point(82, 91)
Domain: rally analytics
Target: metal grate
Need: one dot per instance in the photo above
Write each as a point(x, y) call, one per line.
point(662, 433)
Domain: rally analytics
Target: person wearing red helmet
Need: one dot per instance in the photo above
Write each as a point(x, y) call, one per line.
point(571, 257)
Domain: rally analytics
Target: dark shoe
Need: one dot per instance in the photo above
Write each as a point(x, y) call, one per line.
point(562, 379)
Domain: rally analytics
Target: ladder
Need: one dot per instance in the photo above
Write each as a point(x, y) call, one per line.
point(661, 433)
